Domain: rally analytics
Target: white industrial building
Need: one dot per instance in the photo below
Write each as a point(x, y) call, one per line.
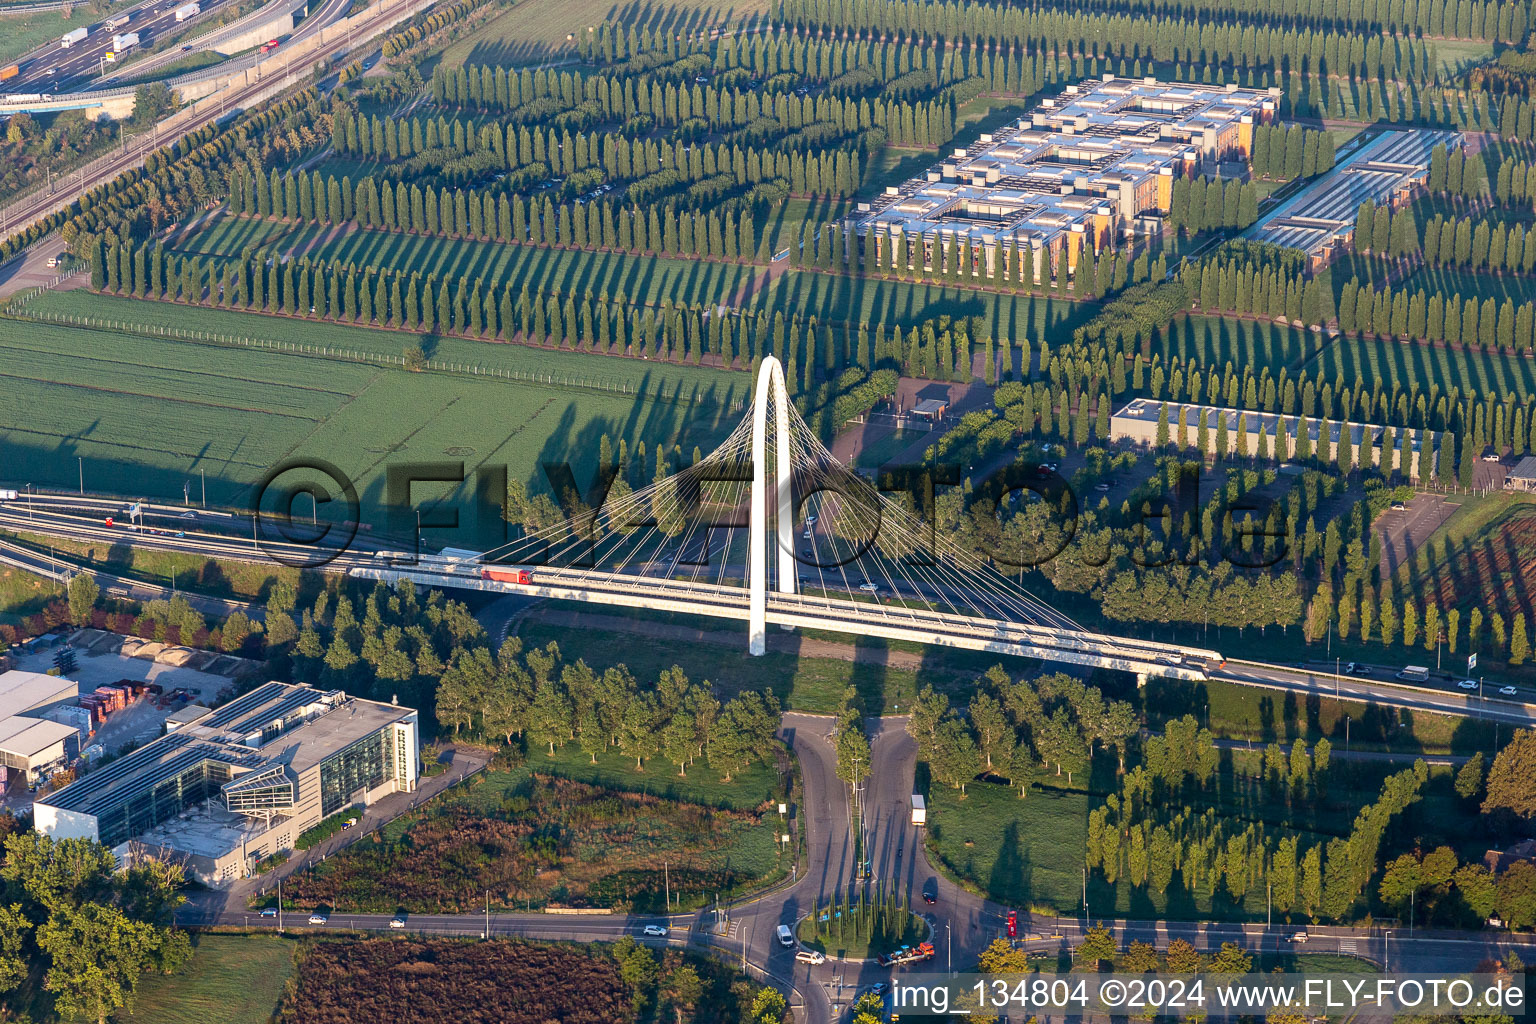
point(30, 739)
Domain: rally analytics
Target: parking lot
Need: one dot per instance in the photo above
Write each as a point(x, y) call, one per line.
point(104, 658)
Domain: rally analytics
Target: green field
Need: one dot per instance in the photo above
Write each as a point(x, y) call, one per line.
point(1214, 341)
point(1402, 363)
point(640, 278)
point(537, 28)
point(22, 33)
point(841, 298)
point(1444, 281)
point(149, 415)
point(1029, 852)
point(232, 979)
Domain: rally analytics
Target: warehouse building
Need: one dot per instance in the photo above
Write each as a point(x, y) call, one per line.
point(1320, 219)
point(240, 783)
point(32, 740)
point(1137, 423)
point(1080, 172)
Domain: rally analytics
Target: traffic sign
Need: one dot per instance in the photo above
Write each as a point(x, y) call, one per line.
point(1471, 663)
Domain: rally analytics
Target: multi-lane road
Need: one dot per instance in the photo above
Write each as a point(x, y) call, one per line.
point(53, 69)
point(224, 535)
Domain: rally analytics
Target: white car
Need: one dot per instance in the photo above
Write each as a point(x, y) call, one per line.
point(319, 917)
point(655, 931)
point(1468, 684)
point(398, 921)
point(1507, 691)
point(1300, 937)
point(873, 588)
point(811, 956)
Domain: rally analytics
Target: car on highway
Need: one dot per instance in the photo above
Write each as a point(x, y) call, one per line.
point(319, 917)
point(269, 912)
point(1468, 684)
point(189, 514)
point(1507, 691)
point(1354, 668)
point(811, 956)
point(655, 931)
point(186, 49)
point(398, 921)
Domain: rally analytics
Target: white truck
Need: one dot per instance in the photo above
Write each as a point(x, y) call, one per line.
point(1414, 674)
point(186, 11)
point(73, 36)
point(919, 810)
point(113, 24)
point(123, 42)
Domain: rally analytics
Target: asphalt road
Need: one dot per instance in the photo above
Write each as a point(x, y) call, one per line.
point(964, 924)
point(52, 69)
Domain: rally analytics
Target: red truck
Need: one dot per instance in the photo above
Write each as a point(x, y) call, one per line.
point(907, 955)
point(269, 46)
point(522, 576)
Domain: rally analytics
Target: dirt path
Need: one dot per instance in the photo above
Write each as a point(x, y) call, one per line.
point(759, 283)
point(778, 640)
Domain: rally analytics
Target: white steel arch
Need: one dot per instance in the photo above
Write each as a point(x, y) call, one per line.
point(770, 388)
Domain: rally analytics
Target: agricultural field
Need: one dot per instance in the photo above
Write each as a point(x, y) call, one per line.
point(534, 839)
point(361, 981)
point(149, 415)
point(232, 979)
point(351, 982)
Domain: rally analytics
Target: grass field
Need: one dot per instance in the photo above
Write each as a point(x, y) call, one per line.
point(148, 415)
point(22, 33)
point(1214, 341)
point(840, 298)
point(23, 594)
point(535, 29)
point(193, 573)
point(1029, 852)
point(1390, 362)
point(639, 278)
point(1443, 280)
point(232, 979)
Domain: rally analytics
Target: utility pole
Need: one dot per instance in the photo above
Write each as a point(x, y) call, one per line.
point(279, 906)
point(487, 915)
point(81, 459)
point(666, 879)
point(204, 474)
point(1085, 896)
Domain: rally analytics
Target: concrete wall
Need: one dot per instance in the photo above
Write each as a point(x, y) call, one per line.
point(63, 824)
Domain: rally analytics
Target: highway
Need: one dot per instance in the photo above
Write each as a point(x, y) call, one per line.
point(40, 203)
point(52, 69)
point(216, 534)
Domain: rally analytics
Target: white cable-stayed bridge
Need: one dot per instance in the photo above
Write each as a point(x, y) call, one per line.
point(863, 564)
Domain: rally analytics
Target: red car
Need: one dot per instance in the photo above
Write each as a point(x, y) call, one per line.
point(1013, 924)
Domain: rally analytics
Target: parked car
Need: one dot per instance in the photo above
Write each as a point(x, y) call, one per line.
point(348, 823)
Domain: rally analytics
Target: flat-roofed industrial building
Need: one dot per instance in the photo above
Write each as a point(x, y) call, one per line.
point(241, 782)
point(1137, 422)
point(1080, 172)
point(29, 741)
point(1388, 169)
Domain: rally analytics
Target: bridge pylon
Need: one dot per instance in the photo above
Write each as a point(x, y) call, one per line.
point(770, 392)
